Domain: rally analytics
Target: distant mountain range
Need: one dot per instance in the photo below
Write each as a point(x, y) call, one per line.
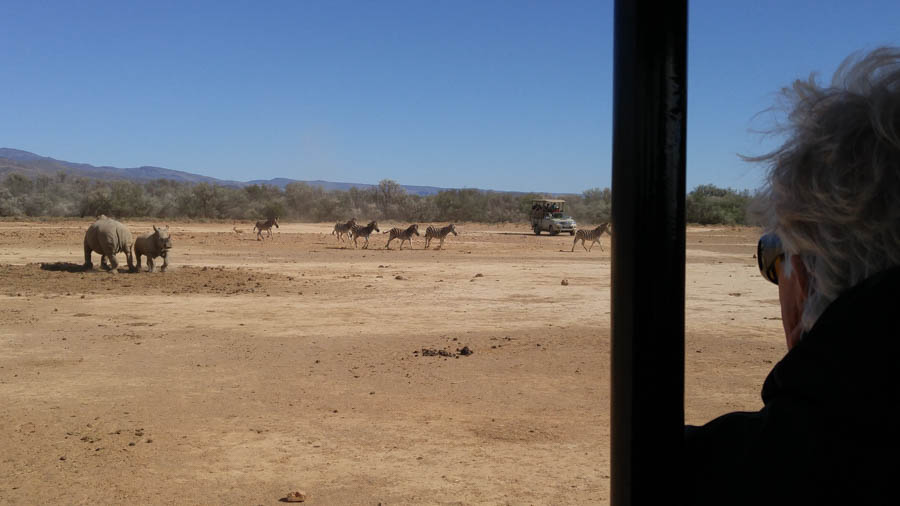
point(32, 165)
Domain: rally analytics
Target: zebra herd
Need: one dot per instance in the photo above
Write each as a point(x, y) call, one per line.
point(355, 231)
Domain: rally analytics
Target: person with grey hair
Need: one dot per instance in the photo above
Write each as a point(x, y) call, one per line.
point(829, 431)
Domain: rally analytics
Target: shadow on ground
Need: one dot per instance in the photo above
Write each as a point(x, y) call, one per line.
point(62, 266)
point(70, 267)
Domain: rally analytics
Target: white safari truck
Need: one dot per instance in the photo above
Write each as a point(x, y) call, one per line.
point(550, 215)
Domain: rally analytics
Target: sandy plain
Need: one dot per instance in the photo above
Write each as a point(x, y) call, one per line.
point(254, 368)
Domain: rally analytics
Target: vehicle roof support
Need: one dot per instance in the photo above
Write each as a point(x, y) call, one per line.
point(648, 250)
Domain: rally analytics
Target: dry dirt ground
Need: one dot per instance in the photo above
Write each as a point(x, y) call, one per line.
point(254, 368)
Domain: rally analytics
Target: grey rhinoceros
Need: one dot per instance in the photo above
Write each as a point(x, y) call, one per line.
point(108, 237)
point(153, 245)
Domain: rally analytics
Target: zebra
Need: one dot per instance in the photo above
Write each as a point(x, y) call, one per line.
point(591, 235)
point(343, 228)
point(402, 234)
point(358, 231)
point(265, 225)
point(433, 232)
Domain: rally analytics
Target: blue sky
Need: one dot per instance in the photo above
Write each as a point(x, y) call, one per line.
point(488, 94)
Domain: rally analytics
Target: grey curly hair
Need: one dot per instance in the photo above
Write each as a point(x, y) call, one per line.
point(833, 188)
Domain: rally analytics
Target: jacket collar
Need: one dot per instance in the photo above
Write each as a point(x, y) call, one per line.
point(849, 350)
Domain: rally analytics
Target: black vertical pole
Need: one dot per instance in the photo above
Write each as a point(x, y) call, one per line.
point(648, 186)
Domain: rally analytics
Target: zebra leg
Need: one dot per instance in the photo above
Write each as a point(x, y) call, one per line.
point(388, 245)
point(585, 247)
point(573, 244)
point(427, 242)
point(441, 245)
point(599, 244)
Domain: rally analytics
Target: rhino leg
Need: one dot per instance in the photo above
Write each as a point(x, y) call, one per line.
point(165, 264)
point(87, 257)
point(137, 256)
point(149, 263)
point(113, 264)
point(130, 259)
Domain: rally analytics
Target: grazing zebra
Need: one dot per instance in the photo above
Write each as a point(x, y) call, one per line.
point(265, 225)
point(402, 234)
point(358, 231)
point(591, 235)
point(343, 228)
point(433, 232)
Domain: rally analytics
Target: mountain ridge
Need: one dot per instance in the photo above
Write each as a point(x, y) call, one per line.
point(31, 164)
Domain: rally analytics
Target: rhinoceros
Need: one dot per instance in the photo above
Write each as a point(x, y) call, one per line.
point(153, 245)
point(107, 237)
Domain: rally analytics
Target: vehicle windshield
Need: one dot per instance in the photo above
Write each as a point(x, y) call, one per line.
point(561, 216)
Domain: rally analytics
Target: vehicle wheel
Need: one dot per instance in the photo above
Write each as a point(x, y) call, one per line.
point(554, 231)
point(571, 232)
point(537, 231)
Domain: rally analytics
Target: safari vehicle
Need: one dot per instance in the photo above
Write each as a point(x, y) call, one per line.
point(550, 215)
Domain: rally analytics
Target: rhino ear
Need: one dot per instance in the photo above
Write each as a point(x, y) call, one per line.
point(155, 229)
point(167, 227)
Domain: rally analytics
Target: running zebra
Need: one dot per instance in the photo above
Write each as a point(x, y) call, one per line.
point(358, 231)
point(433, 232)
point(265, 225)
point(591, 235)
point(343, 228)
point(402, 234)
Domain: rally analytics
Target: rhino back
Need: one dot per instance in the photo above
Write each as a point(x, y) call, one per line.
point(108, 236)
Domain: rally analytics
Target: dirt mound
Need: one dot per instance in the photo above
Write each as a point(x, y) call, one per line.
point(66, 278)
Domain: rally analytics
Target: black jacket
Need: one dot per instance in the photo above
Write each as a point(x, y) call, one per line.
point(828, 433)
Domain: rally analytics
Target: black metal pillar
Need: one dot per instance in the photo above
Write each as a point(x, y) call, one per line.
point(648, 186)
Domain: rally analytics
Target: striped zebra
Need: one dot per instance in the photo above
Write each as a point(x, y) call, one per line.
point(343, 228)
point(402, 234)
point(358, 231)
point(591, 235)
point(433, 232)
point(265, 225)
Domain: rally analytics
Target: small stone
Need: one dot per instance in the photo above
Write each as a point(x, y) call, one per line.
point(479, 275)
point(296, 496)
point(62, 458)
point(565, 282)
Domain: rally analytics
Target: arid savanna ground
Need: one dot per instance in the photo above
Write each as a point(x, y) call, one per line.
point(254, 368)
